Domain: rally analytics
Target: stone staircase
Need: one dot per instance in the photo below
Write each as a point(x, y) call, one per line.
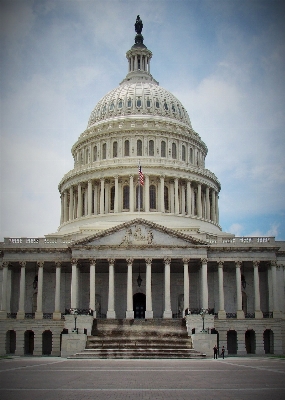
point(139, 338)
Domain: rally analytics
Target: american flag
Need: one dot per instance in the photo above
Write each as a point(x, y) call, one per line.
point(141, 176)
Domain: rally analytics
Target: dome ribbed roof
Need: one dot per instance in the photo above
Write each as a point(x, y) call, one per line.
point(139, 98)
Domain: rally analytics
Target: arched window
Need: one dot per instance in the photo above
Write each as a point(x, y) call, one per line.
point(139, 148)
point(163, 149)
point(139, 102)
point(157, 105)
point(104, 109)
point(112, 198)
point(126, 197)
point(152, 197)
point(139, 197)
point(115, 149)
point(174, 155)
point(183, 153)
point(151, 148)
point(191, 155)
point(95, 153)
point(111, 108)
point(129, 102)
point(127, 148)
point(104, 151)
point(166, 199)
point(120, 103)
point(148, 102)
point(173, 108)
point(165, 105)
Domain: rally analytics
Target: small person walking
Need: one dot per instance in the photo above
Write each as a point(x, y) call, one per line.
point(215, 352)
point(223, 352)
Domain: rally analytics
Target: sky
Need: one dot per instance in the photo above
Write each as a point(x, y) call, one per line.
point(223, 59)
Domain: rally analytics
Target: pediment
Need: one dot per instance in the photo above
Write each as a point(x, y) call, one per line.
point(139, 233)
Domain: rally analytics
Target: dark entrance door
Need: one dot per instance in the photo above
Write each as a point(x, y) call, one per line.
point(139, 305)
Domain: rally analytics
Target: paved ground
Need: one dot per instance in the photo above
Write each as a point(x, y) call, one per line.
point(47, 378)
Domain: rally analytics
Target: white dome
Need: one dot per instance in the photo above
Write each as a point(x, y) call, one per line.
point(139, 98)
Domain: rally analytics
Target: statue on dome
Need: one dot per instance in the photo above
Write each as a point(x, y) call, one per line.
point(138, 25)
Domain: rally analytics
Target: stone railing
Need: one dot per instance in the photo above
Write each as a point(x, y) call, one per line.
point(243, 240)
point(24, 241)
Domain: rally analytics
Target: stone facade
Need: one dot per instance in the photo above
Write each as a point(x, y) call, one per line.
point(148, 249)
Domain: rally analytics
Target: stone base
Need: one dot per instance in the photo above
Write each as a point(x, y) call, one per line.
point(258, 314)
point(39, 315)
point(222, 315)
point(167, 314)
point(130, 315)
point(204, 343)
point(21, 315)
point(72, 343)
point(111, 314)
point(56, 315)
point(148, 315)
point(3, 314)
point(277, 314)
point(240, 314)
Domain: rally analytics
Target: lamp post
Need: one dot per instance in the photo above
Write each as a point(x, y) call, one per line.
point(203, 312)
point(74, 311)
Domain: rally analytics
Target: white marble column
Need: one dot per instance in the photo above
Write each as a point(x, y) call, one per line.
point(130, 307)
point(189, 198)
point(172, 209)
point(74, 283)
point(162, 208)
point(146, 194)
point(240, 312)
point(92, 280)
point(186, 285)
point(213, 208)
point(176, 197)
point(71, 203)
point(102, 196)
point(39, 311)
point(65, 209)
point(199, 200)
point(3, 311)
point(21, 310)
point(182, 199)
point(208, 203)
point(276, 311)
point(132, 199)
point(116, 199)
point(257, 311)
point(111, 294)
point(62, 209)
point(57, 312)
point(167, 296)
point(79, 201)
point(204, 284)
point(89, 198)
point(217, 208)
point(221, 313)
point(95, 199)
point(148, 311)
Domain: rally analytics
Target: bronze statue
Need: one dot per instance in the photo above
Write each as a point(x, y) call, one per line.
point(138, 25)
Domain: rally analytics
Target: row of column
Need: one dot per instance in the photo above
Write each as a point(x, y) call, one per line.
point(139, 62)
point(149, 310)
point(184, 200)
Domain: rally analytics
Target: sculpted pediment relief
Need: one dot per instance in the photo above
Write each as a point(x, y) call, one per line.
point(139, 233)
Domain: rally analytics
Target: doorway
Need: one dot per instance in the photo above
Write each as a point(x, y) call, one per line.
point(250, 341)
point(139, 305)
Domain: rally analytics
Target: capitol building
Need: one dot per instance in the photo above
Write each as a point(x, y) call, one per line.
point(139, 239)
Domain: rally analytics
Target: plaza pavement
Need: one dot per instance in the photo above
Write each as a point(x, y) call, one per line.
point(46, 378)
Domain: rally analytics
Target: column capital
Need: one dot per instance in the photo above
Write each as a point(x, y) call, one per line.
point(129, 261)
point(256, 263)
point(148, 261)
point(220, 264)
point(92, 261)
point(111, 261)
point(238, 264)
point(204, 260)
point(185, 260)
point(22, 263)
point(74, 261)
point(58, 264)
point(273, 263)
point(40, 264)
point(4, 264)
point(167, 260)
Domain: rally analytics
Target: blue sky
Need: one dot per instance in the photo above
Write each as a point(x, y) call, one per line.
point(224, 60)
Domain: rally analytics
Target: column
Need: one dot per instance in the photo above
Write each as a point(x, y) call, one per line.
point(102, 195)
point(146, 194)
point(3, 311)
point(183, 200)
point(71, 203)
point(240, 313)
point(217, 208)
point(186, 285)
point(221, 313)
point(213, 208)
point(204, 284)
point(130, 307)
point(199, 200)
point(116, 199)
point(57, 312)
point(95, 199)
point(148, 311)
point(167, 300)
point(65, 216)
point(162, 209)
point(276, 311)
point(79, 201)
point(189, 198)
point(136, 62)
point(21, 310)
point(39, 311)
point(74, 283)
point(62, 210)
point(172, 210)
point(89, 198)
point(257, 311)
point(176, 201)
point(207, 203)
point(111, 294)
point(92, 301)
point(132, 200)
